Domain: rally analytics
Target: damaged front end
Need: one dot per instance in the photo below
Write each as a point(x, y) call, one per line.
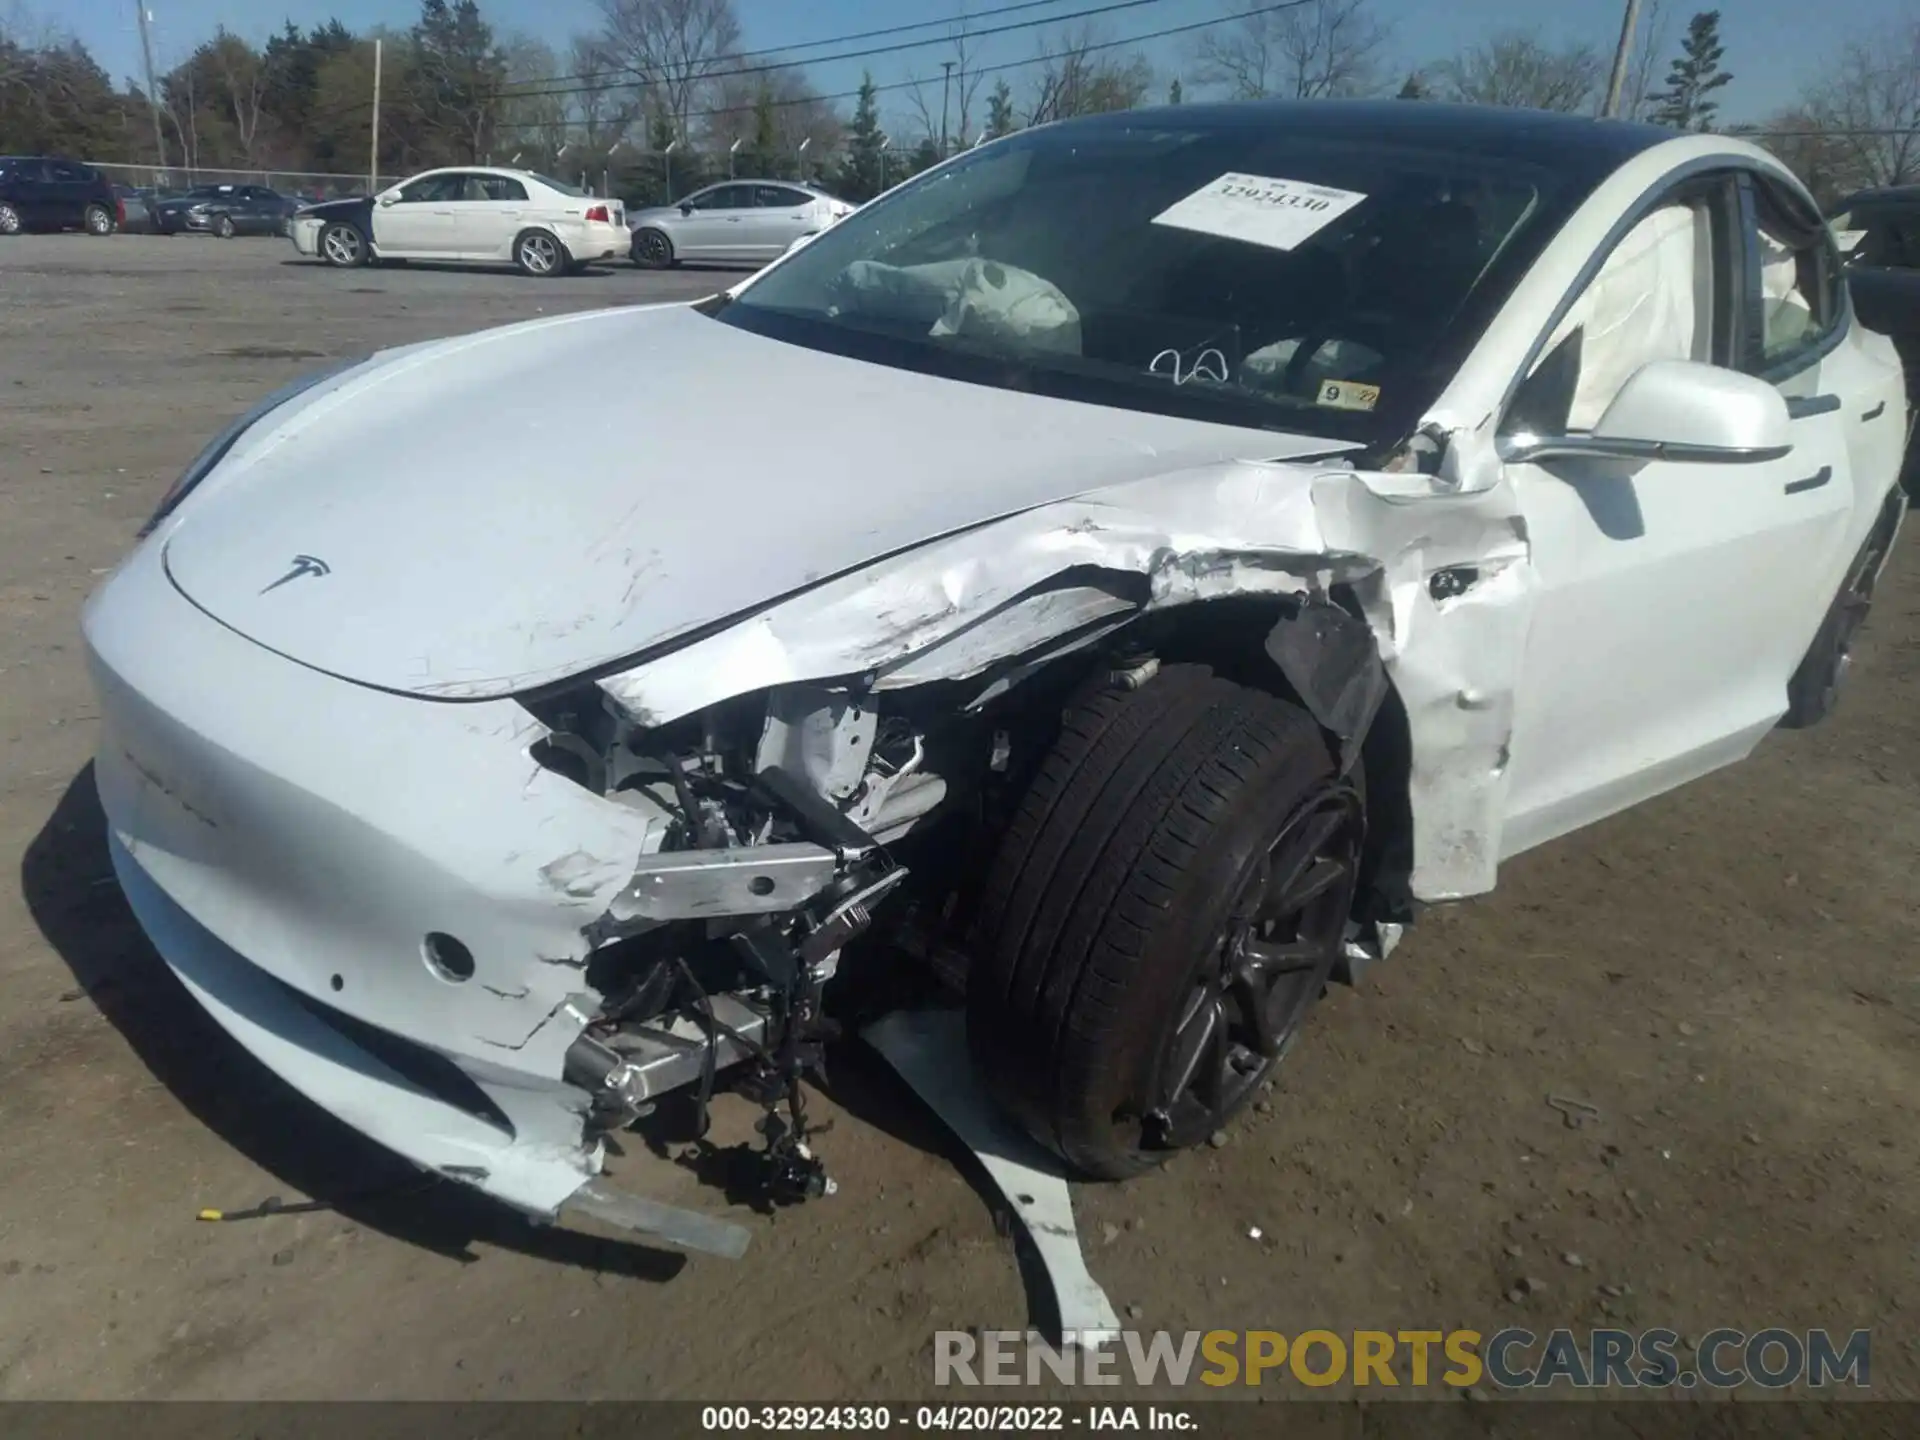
point(490, 933)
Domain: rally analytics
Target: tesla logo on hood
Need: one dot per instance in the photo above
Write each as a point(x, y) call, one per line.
point(303, 566)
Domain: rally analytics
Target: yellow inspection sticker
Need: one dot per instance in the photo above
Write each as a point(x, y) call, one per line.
point(1348, 395)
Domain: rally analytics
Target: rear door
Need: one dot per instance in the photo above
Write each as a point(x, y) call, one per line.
point(69, 187)
point(782, 216)
point(487, 215)
point(1673, 599)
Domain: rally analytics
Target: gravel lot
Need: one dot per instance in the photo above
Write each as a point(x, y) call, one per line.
point(1727, 974)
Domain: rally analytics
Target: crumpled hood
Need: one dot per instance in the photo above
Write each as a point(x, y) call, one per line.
point(494, 512)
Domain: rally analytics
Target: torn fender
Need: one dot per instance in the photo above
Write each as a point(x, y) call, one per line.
point(950, 609)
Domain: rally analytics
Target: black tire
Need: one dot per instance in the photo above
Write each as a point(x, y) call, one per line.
point(1813, 691)
point(9, 220)
point(1118, 926)
point(652, 250)
point(343, 245)
point(97, 220)
point(541, 254)
point(223, 226)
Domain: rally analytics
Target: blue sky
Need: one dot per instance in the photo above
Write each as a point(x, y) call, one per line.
point(1769, 46)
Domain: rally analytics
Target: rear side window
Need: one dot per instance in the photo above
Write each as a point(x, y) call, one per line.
point(1795, 290)
point(67, 170)
point(497, 187)
point(778, 197)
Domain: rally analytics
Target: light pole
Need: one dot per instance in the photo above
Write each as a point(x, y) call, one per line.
point(885, 141)
point(1628, 24)
point(800, 158)
point(946, 89)
point(731, 151)
point(666, 158)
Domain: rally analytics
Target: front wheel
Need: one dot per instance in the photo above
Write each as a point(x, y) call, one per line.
point(1165, 909)
point(98, 220)
point(539, 253)
point(652, 250)
point(343, 245)
point(223, 227)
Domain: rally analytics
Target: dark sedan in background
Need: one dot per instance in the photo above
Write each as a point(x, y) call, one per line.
point(224, 210)
point(49, 192)
point(1879, 231)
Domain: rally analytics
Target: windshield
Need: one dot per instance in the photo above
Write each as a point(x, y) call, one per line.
point(1321, 284)
point(553, 184)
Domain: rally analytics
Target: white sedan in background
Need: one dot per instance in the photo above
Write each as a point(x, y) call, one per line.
point(470, 213)
point(749, 220)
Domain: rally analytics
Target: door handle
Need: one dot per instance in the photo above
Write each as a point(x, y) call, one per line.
point(1803, 407)
point(1876, 412)
point(1812, 482)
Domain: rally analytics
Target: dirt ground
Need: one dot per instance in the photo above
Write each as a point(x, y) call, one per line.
point(1727, 974)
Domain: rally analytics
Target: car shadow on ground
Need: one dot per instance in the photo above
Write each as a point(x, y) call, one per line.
point(68, 883)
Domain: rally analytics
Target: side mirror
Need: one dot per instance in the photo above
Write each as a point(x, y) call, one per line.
point(1675, 410)
point(388, 197)
point(685, 208)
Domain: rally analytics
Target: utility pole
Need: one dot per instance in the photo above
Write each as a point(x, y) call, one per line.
point(373, 151)
point(1628, 24)
point(153, 102)
point(946, 87)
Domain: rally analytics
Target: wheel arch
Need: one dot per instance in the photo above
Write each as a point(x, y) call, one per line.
point(1235, 636)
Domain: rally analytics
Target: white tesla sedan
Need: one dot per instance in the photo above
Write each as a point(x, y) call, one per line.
point(740, 220)
point(472, 213)
point(1197, 464)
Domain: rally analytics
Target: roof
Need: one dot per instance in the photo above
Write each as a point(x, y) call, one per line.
point(1540, 137)
point(1880, 195)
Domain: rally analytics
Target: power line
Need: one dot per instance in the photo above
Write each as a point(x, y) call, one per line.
point(982, 70)
point(733, 72)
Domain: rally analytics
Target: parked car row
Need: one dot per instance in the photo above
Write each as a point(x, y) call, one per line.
point(50, 192)
point(543, 226)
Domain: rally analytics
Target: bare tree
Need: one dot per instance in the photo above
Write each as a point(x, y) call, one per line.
point(604, 110)
point(243, 83)
point(531, 115)
point(792, 109)
point(1080, 75)
point(1868, 102)
point(676, 48)
point(952, 97)
point(1316, 50)
point(1814, 153)
point(1515, 68)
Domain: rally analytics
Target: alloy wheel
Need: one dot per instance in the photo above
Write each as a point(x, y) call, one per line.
point(342, 245)
point(540, 254)
point(1253, 990)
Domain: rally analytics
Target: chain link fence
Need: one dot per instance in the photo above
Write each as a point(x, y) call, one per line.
point(306, 184)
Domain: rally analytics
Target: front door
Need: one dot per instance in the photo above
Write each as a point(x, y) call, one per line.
point(1673, 599)
point(716, 230)
point(418, 219)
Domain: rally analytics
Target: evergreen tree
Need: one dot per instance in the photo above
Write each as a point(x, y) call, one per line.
point(1686, 103)
point(1174, 93)
point(860, 173)
point(1000, 119)
point(1414, 88)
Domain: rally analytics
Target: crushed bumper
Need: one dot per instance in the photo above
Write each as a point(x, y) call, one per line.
point(289, 840)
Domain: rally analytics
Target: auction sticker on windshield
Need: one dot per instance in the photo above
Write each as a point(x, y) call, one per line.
point(1259, 209)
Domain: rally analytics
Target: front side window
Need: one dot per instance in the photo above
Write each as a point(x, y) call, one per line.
point(431, 189)
point(1652, 299)
point(1320, 284)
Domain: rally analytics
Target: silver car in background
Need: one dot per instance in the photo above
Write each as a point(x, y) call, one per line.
point(740, 220)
